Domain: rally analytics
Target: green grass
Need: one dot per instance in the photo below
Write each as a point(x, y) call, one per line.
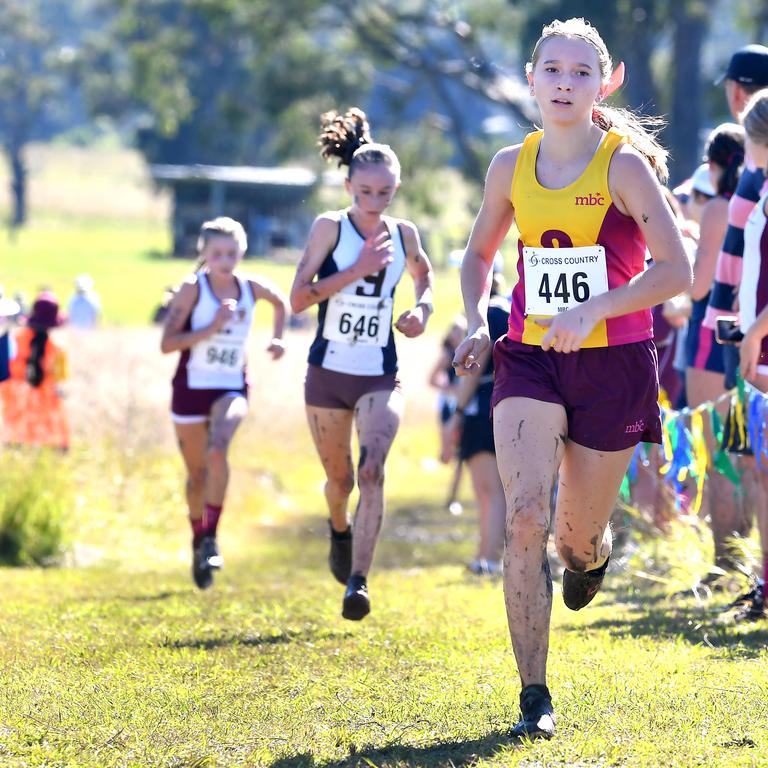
point(129, 265)
point(123, 663)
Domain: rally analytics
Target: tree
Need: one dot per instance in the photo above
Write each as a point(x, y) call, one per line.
point(212, 81)
point(449, 53)
point(32, 73)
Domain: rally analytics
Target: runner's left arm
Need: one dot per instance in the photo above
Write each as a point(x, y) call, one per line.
point(413, 322)
point(634, 185)
point(265, 289)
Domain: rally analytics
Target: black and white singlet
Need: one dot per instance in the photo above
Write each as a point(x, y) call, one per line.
point(354, 333)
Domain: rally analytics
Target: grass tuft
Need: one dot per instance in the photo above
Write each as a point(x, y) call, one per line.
point(34, 498)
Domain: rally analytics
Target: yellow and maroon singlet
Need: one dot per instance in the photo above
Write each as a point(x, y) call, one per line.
point(575, 217)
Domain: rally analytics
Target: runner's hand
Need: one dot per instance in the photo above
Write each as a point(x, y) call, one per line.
point(276, 349)
point(376, 254)
point(413, 322)
point(568, 330)
point(468, 352)
point(749, 355)
point(224, 314)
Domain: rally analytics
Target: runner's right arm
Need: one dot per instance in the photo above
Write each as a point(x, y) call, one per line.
point(489, 230)
point(265, 289)
point(375, 255)
point(174, 338)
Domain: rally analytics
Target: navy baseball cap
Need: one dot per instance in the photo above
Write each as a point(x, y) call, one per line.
point(748, 66)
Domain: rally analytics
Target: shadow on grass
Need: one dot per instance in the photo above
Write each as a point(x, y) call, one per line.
point(743, 640)
point(256, 640)
point(453, 753)
point(166, 595)
point(413, 535)
point(638, 600)
point(154, 254)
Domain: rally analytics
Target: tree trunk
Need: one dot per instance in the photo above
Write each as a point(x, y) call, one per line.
point(760, 17)
point(469, 160)
point(690, 20)
point(637, 46)
point(18, 183)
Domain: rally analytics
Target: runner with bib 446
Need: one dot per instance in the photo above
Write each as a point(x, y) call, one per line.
point(576, 380)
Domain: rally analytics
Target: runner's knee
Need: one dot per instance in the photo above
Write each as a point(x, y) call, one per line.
point(341, 485)
point(196, 481)
point(528, 521)
point(216, 456)
point(370, 467)
point(371, 473)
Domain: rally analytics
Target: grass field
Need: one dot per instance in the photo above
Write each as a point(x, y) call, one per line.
point(114, 659)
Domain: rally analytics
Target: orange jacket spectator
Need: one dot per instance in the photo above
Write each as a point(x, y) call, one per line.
point(32, 412)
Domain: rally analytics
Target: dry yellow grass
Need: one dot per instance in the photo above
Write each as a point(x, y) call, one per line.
point(80, 182)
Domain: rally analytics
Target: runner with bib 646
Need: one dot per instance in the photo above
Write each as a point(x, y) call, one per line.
point(351, 266)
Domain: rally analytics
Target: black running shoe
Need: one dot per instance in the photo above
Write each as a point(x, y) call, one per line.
point(579, 587)
point(751, 605)
point(201, 571)
point(210, 551)
point(537, 716)
point(340, 556)
point(357, 604)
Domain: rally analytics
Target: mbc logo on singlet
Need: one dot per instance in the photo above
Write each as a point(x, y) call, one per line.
point(590, 199)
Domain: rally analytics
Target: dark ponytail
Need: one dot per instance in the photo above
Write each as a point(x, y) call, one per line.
point(348, 138)
point(725, 148)
point(342, 135)
point(35, 360)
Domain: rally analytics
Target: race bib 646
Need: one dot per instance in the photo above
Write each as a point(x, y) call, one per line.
point(358, 319)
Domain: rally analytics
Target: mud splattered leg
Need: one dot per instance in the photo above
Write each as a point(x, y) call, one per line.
point(377, 416)
point(589, 484)
point(332, 432)
point(529, 439)
point(227, 414)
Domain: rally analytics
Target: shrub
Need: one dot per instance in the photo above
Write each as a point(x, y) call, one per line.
point(34, 497)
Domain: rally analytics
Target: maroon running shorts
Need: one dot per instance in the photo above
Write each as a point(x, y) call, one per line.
point(190, 406)
point(329, 389)
point(610, 394)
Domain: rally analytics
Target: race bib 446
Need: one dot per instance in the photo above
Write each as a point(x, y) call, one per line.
point(557, 279)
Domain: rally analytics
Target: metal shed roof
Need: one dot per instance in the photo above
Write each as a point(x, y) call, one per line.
point(235, 174)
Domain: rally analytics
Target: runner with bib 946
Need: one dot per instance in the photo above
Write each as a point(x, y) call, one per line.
point(351, 266)
point(208, 321)
point(576, 382)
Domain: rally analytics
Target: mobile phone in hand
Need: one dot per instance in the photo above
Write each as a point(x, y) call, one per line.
point(727, 330)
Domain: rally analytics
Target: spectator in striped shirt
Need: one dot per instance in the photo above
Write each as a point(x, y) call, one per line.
point(747, 73)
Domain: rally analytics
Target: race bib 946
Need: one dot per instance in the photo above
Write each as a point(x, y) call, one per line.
point(358, 319)
point(222, 357)
point(557, 279)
